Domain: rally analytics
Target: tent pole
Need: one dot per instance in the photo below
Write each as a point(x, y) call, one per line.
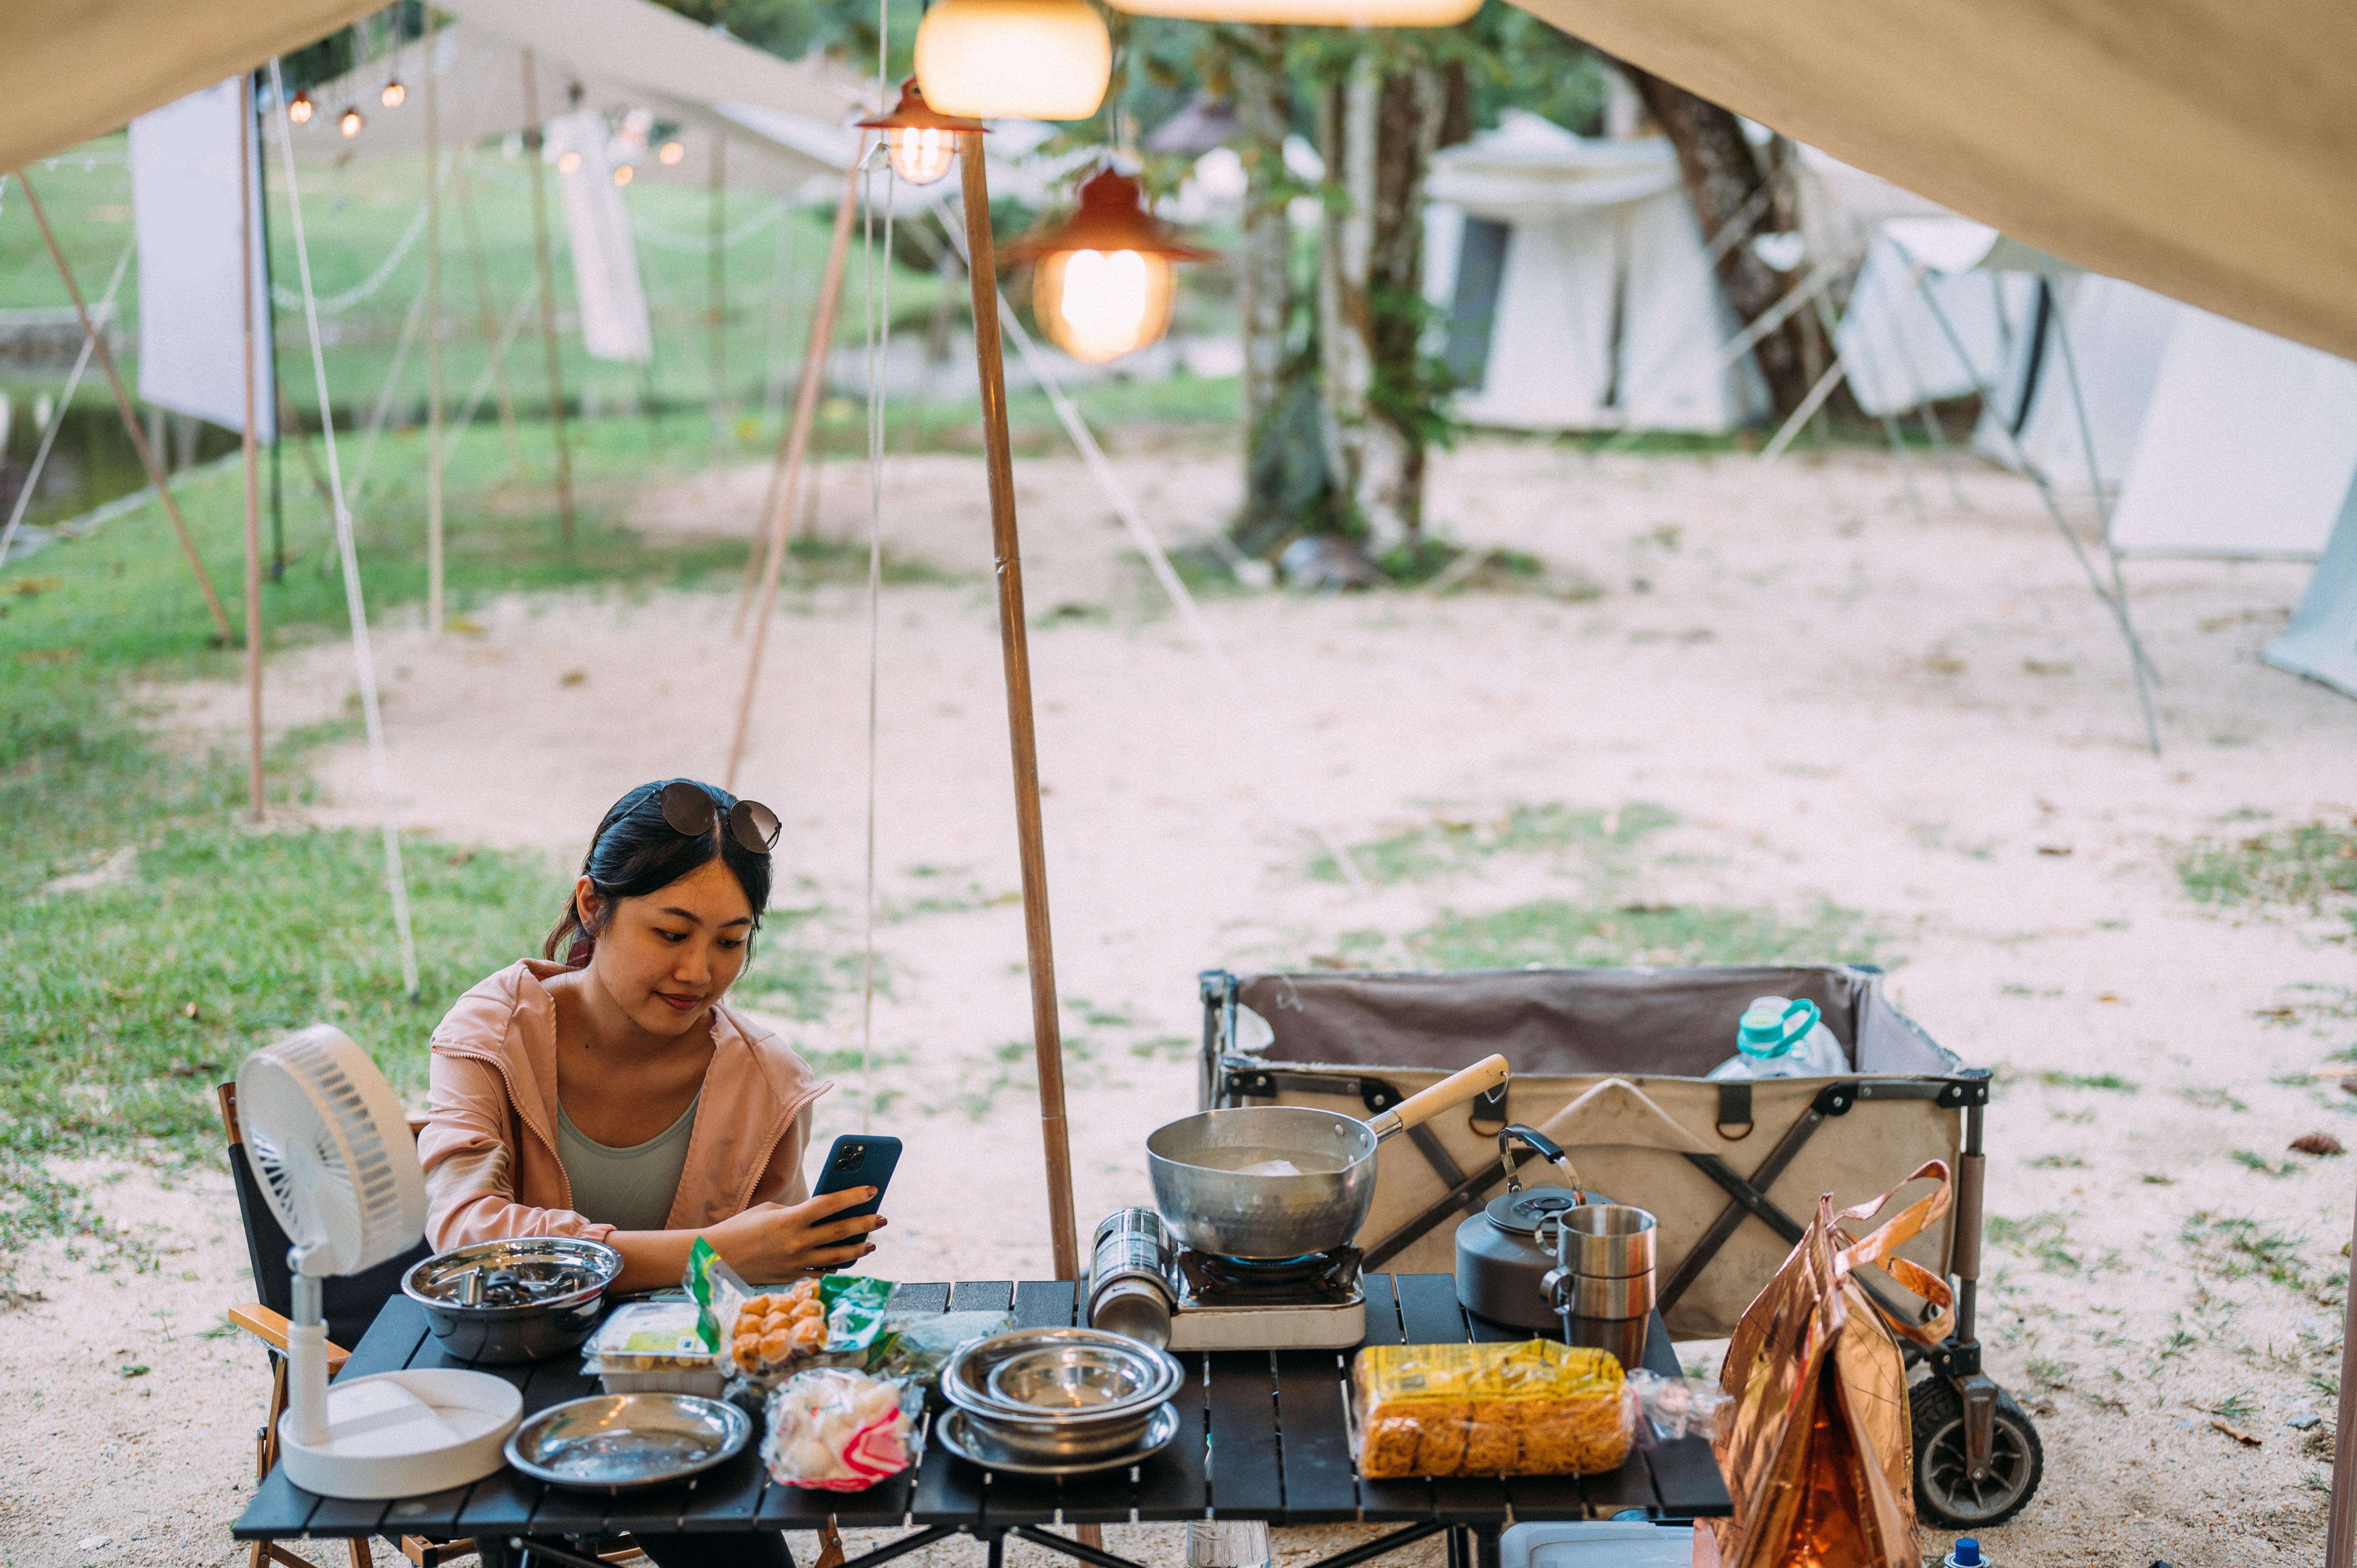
point(2340, 1511)
point(1013, 647)
point(130, 417)
point(1889, 422)
point(767, 556)
point(492, 342)
point(2143, 665)
point(434, 561)
point(532, 140)
point(245, 192)
point(715, 316)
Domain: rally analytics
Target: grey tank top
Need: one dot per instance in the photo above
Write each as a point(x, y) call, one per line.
point(632, 1189)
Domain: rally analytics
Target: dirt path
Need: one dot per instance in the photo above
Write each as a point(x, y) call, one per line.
point(1927, 722)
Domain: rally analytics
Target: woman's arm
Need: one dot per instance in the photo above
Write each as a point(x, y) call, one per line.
point(471, 1169)
point(766, 1244)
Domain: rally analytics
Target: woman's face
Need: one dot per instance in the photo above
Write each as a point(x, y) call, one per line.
point(666, 957)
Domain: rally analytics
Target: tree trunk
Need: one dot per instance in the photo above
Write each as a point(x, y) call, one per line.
point(1284, 474)
point(1725, 182)
point(1378, 130)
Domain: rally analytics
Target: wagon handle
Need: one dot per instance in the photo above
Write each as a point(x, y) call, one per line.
point(1455, 1089)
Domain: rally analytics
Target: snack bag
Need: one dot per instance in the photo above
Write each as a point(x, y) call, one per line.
point(1536, 1407)
point(834, 1430)
point(1675, 1407)
point(834, 1315)
point(916, 1346)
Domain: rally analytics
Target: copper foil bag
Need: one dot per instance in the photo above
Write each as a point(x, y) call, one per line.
point(1816, 1448)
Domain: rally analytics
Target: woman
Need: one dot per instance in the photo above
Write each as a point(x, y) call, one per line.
point(613, 1096)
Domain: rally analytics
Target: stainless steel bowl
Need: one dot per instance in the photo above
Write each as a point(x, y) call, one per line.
point(1085, 1380)
point(1137, 1379)
point(515, 1300)
point(619, 1443)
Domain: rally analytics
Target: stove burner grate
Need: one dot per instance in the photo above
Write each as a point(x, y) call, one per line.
point(1314, 1279)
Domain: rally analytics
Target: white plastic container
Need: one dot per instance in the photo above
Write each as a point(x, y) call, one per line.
point(1596, 1543)
point(652, 1347)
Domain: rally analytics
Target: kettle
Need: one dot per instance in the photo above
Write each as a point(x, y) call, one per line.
point(1505, 1251)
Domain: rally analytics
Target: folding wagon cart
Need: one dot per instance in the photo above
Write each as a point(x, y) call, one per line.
point(1610, 1063)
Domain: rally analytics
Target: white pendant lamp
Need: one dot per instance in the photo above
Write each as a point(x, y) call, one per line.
point(1014, 59)
point(1310, 13)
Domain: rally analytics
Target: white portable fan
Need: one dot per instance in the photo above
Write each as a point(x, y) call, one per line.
point(332, 1153)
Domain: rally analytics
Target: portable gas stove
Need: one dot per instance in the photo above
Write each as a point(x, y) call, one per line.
point(1310, 1302)
point(1141, 1284)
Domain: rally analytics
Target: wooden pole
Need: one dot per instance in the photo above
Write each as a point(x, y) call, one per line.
point(245, 165)
point(130, 417)
point(434, 562)
point(1048, 1049)
point(768, 556)
point(2341, 1510)
point(487, 319)
point(715, 316)
point(531, 142)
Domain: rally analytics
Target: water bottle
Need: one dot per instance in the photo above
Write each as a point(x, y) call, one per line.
point(1968, 1555)
point(1779, 1037)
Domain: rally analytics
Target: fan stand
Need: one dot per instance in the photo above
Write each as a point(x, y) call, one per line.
point(394, 1435)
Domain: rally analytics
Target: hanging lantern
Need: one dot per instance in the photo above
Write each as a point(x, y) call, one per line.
point(393, 95)
point(349, 123)
point(299, 108)
point(920, 140)
point(1310, 13)
point(1100, 284)
point(1023, 60)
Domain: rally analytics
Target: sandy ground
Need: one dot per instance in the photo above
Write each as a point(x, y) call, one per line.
point(1925, 717)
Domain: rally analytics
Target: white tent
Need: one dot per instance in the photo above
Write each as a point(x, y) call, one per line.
point(1579, 292)
point(2248, 448)
point(2092, 343)
point(2321, 641)
point(1925, 321)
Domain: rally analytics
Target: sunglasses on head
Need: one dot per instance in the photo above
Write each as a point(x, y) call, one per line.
point(691, 811)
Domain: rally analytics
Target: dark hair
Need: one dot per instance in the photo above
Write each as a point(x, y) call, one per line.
point(635, 852)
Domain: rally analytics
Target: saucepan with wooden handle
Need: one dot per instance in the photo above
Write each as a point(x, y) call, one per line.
point(1278, 1181)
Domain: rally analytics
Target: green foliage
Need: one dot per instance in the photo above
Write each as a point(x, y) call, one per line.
point(1556, 932)
point(2110, 1080)
point(2312, 866)
point(1449, 845)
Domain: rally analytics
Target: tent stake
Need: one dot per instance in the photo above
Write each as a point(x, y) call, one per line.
point(768, 555)
point(434, 564)
point(533, 143)
point(130, 417)
point(1014, 646)
point(245, 166)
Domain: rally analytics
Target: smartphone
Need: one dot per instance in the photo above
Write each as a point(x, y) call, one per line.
point(858, 1159)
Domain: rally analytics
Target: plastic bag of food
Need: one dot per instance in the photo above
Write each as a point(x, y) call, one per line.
point(1533, 1408)
point(835, 1315)
point(1676, 1407)
point(917, 1345)
point(648, 1336)
point(834, 1430)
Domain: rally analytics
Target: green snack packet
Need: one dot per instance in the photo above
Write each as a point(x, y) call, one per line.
point(717, 1290)
point(854, 1310)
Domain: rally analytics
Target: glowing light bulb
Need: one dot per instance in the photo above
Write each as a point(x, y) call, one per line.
point(1310, 13)
point(921, 155)
point(1101, 305)
point(393, 95)
point(623, 175)
point(1025, 60)
point(299, 108)
point(568, 163)
point(671, 152)
point(349, 123)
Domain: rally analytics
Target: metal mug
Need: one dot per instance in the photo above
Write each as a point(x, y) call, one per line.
point(1605, 1241)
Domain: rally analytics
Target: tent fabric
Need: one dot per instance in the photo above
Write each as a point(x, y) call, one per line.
point(2321, 641)
point(613, 323)
point(2199, 148)
point(193, 251)
point(71, 69)
point(2248, 448)
point(1606, 313)
point(2116, 335)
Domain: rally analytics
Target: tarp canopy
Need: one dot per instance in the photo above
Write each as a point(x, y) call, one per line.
point(2202, 148)
point(1579, 291)
point(71, 69)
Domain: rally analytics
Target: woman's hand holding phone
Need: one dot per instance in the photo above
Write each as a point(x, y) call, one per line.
point(773, 1242)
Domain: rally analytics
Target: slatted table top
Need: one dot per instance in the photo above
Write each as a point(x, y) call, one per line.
point(1274, 1418)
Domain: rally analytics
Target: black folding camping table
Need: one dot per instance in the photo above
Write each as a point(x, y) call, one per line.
point(1261, 1436)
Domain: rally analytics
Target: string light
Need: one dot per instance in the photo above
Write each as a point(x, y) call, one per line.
point(671, 152)
point(920, 141)
point(349, 123)
point(299, 108)
point(1310, 13)
point(1101, 286)
point(1023, 60)
point(624, 174)
point(568, 163)
point(393, 95)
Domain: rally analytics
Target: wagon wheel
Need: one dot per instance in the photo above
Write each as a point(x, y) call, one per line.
point(1944, 1488)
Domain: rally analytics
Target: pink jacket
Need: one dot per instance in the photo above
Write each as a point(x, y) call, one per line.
point(489, 1142)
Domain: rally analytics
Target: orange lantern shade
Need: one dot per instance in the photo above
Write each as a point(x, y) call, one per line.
point(1102, 284)
point(920, 140)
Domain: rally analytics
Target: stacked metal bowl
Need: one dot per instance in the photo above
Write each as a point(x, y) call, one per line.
point(1053, 1397)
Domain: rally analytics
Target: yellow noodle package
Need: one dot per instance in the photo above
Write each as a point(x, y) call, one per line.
point(1533, 1408)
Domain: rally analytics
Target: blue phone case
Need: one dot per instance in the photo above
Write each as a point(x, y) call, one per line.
point(859, 1159)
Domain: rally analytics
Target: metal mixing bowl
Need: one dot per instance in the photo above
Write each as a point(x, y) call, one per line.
point(1087, 1380)
point(1137, 1379)
point(515, 1300)
point(622, 1441)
